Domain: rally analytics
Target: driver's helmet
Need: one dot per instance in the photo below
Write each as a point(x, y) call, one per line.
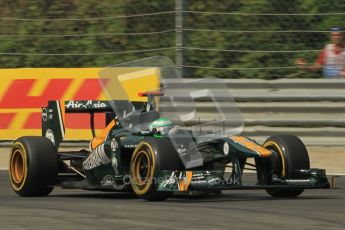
point(161, 126)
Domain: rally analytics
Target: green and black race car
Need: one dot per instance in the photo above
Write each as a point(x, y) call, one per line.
point(150, 156)
point(156, 162)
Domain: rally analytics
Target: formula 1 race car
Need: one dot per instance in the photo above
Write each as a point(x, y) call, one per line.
point(156, 159)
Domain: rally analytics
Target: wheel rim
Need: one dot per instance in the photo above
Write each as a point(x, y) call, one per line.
point(142, 169)
point(18, 168)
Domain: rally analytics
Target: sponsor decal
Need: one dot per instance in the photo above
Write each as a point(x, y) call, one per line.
point(131, 146)
point(201, 176)
point(108, 180)
point(181, 150)
point(85, 104)
point(226, 148)
point(181, 179)
point(114, 162)
point(114, 145)
point(205, 179)
point(44, 114)
point(169, 183)
point(97, 157)
point(50, 135)
point(50, 114)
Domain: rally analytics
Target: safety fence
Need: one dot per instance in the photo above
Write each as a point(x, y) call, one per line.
point(206, 38)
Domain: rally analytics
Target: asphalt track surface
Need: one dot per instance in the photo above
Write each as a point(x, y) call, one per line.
point(78, 209)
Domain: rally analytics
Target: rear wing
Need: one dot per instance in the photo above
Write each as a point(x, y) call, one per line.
point(53, 116)
point(52, 122)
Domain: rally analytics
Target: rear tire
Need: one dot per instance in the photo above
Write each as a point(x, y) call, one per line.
point(143, 170)
point(290, 154)
point(33, 166)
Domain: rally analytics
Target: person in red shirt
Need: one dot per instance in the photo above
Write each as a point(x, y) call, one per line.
point(332, 58)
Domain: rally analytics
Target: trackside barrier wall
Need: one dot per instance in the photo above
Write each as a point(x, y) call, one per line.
point(313, 109)
point(24, 91)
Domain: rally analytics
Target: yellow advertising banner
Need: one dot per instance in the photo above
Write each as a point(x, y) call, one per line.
point(24, 91)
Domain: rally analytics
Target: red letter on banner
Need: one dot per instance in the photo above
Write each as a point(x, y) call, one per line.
point(17, 94)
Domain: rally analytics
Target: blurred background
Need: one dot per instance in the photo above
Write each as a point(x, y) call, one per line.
point(246, 42)
point(252, 44)
point(206, 38)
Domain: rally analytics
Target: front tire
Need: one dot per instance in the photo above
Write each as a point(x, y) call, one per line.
point(143, 170)
point(290, 154)
point(33, 166)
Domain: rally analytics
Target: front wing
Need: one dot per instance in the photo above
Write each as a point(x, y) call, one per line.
point(182, 181)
